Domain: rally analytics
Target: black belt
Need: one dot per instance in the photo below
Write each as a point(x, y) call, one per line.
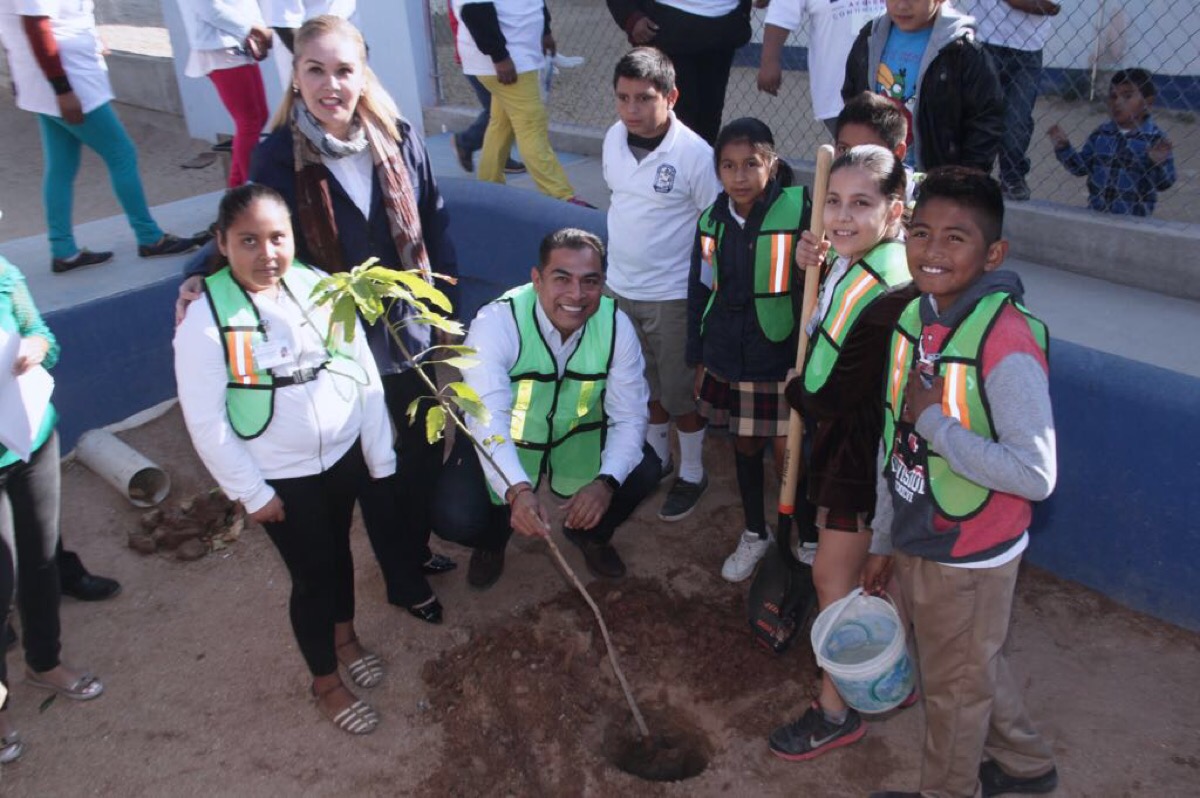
point(299, 376)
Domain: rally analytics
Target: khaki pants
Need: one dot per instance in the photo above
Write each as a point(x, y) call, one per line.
point(973, 707)
point(518, 112)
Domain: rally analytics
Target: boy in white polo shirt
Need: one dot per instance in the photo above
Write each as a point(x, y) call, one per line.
point(661, 176)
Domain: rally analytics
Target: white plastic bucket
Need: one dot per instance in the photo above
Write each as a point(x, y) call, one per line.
point(859, 642)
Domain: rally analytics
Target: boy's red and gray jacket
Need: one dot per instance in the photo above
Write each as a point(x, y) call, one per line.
point(959, 116)
point(1018, 464)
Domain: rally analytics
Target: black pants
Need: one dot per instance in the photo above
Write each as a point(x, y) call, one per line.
point(702, 79)
point(314, 541)
point(396, 511)
point(33, 488)
point(463, 510)
point(418, 461)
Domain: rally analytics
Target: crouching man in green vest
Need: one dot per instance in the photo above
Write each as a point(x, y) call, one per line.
point(560, 371)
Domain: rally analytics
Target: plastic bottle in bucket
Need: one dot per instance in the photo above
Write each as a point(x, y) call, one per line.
point(859, 642)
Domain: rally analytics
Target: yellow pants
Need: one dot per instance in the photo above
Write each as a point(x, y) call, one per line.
point(517, 112)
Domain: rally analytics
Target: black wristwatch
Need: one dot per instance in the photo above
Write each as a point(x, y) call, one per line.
point(610, 481)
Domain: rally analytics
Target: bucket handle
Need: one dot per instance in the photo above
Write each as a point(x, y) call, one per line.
point(848, 600)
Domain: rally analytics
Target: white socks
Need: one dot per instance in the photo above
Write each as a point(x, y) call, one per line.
point(691, 448)
point(656, 436)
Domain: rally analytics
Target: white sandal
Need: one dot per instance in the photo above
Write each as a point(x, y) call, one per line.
point(358, 718)
point(367, 670)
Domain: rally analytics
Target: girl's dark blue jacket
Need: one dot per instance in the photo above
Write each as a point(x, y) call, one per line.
point(733, 346)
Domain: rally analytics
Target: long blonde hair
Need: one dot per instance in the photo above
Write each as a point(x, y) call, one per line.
point(375, 106)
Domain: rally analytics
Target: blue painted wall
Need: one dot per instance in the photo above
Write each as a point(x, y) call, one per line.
point(116, 358)
point(1124, 519)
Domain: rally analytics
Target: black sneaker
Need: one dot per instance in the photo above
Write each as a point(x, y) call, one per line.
point(667, 470)
point(437, 564)
point(1017, 192)
point(601, 558)
point(485, 568)
point(466, 159)
point(514, 167)
point(90, 587)
point(166, 246)
point(80, 259)
point(682, 499)
point(996, 782)
point(813, 735)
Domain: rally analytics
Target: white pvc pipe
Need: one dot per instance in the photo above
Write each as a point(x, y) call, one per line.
point(118, 464)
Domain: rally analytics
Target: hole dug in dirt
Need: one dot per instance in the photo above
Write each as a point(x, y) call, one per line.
point(676, 749)
point(529, 705)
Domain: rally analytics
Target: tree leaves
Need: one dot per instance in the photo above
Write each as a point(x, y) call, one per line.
point(368, 291)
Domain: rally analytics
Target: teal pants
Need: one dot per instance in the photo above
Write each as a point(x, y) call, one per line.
point(62, 145)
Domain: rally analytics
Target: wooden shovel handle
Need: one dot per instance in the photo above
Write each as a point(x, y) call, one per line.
point(812, 279)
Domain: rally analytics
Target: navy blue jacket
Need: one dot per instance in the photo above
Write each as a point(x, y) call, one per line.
point(733, 346)
point(273, 164)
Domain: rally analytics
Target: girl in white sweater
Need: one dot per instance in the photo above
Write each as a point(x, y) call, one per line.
point(290, 424)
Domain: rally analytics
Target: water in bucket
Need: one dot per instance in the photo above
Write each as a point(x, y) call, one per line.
point(859, 642)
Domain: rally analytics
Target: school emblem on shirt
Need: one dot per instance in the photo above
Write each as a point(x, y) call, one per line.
point(664, 179)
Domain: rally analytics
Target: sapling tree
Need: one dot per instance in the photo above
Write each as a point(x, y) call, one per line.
point(368, 291)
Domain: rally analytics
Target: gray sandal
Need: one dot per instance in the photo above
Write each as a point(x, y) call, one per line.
point(85, 688)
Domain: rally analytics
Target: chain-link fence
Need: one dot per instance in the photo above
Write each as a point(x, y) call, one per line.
point(1085, 44)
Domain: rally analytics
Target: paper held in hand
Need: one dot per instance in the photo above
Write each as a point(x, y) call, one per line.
point(23, 400)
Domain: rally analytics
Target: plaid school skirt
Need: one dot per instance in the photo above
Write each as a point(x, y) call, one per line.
point(750, 409)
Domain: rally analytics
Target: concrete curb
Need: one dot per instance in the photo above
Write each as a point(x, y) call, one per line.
point(144, 81)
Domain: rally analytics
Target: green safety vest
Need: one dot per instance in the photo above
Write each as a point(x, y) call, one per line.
point(885, 267)
point(250, 392)
point(964, 396)
point(559, 424)
point(773, 262)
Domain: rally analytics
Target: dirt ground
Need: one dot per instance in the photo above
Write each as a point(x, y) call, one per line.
point(512, 695)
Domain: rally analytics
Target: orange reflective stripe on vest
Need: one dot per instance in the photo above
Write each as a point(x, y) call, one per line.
point(781, 261)
point(239, 344)
point(854, 294)
point(896, 374)
point(954, 396)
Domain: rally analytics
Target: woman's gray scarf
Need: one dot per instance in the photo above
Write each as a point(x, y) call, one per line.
point(328, 145)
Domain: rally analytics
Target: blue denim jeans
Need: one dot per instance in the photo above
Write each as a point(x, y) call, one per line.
point(471, 139)
point(1020, 71)
point(62, 145)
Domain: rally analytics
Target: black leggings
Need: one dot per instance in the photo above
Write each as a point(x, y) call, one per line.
point(314, 541)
